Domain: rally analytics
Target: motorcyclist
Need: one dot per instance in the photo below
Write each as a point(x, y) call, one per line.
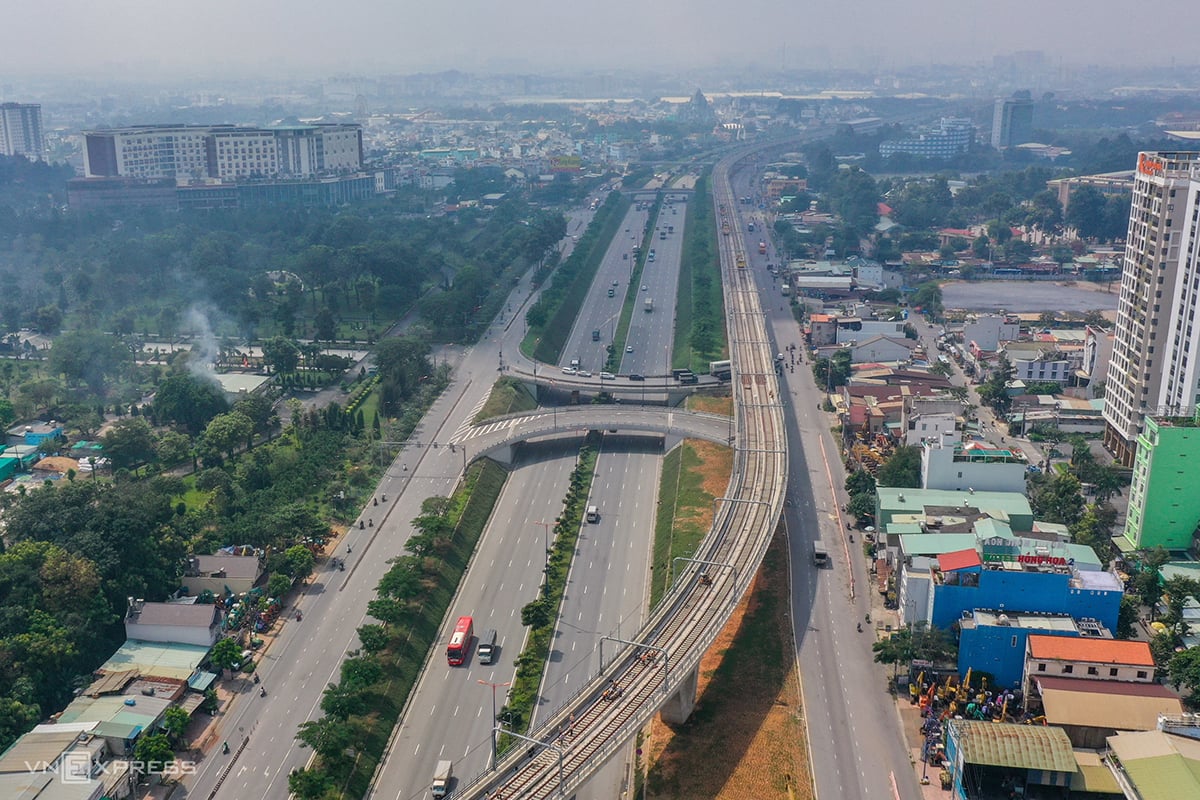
point(262, 691)
point(860, 627)
point(225, 748)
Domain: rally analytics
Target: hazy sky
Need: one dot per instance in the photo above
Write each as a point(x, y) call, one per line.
point(313, 37)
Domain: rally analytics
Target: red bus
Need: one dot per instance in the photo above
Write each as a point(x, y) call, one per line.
point(460, 642)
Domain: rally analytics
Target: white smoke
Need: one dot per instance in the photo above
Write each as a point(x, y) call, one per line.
point(206, 350)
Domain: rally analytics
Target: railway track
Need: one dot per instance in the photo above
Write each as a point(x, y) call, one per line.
point(604, 715)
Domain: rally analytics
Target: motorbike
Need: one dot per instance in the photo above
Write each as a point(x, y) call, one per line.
point(225, 748)
point(341, 567)
point(256, 678)
point(860, 627)
point(262, 691)
point(299, 615)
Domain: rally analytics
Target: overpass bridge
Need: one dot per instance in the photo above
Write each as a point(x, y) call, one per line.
point(496, 437)
point(656, 669)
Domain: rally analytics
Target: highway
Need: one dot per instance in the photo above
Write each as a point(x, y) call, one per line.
point(692, 614)
point(450, 714)
point(601, 312)
point(651, 333)
point(607, 586)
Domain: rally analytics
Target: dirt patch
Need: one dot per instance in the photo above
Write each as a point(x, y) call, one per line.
point(711, 405)
point(746, 738)
point(718, 465)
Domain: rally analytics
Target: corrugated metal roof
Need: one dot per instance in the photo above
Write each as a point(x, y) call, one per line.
point(1094, 775)
point(1161, 766)
point(999, 744)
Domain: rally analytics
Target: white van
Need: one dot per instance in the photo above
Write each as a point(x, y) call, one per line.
point(593, 514)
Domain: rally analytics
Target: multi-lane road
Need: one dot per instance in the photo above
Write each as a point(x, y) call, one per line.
point(856, 743)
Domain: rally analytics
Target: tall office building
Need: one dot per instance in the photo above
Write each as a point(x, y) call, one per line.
point(1012, 121)
point(21, 131)
point(1155, 365)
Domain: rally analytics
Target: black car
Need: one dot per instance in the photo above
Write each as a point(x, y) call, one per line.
point(636, 376)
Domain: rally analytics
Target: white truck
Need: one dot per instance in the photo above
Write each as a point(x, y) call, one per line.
point(441, 778)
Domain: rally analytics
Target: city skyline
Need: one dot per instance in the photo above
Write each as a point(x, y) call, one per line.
point(303, 38)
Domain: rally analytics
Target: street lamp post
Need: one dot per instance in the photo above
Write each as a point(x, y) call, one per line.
point(494, 726)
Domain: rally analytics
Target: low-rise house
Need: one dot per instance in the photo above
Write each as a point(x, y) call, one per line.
point(1088, 659)
point(187, 623)
point(221, 574)
point(1092, 710)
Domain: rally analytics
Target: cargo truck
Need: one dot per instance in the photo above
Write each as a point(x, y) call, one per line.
point(649, 305)
point(441, 778)
point(820, 555)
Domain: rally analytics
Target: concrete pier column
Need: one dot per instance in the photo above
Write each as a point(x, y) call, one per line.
point(679, 706)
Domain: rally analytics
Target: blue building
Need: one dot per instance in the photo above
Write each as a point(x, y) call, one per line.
point(34, 433)
point(994, 643)
point(1057, 589)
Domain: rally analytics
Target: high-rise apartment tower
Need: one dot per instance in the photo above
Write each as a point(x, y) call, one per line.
point(1155, 365)
point(21, 131)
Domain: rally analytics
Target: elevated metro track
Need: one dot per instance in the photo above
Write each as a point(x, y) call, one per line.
point(660, 672)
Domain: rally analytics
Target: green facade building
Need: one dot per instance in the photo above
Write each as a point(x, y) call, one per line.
point(1164, 494)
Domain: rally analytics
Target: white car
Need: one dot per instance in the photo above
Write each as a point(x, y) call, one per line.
point(643, 287)
point(570, 371)
point(583, 373)
point(628, 348)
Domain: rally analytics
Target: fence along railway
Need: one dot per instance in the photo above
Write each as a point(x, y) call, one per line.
point(659, 672)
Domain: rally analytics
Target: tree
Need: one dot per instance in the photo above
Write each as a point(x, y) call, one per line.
point(173, 448)
point(1184, 669)
point(994, 391)
point(1127, 617)
point(536, 614)
point(129, 442)
point(300, 561)
point(278, 584)
point(189, 401)
point(225, 432)
point(860, 481)
point(1056, 498)
point(175, 722)
point(327, 736)
point(1146, 583)
point(154, 754)
point(281, 354)
point(1090, 530)
point(862, 506)
point(902, 470)
point(1178, 590)
point(834, 371)
point(918, 641)
point(8, 414)
point(225, 654)
point(309, 784)
point(1162, 649)
point(928, 297)
point(374, 638)
point(89, 357)
point(324, 325)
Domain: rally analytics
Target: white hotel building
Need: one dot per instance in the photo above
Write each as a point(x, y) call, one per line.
point(1156, 350)
point(192, 154)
